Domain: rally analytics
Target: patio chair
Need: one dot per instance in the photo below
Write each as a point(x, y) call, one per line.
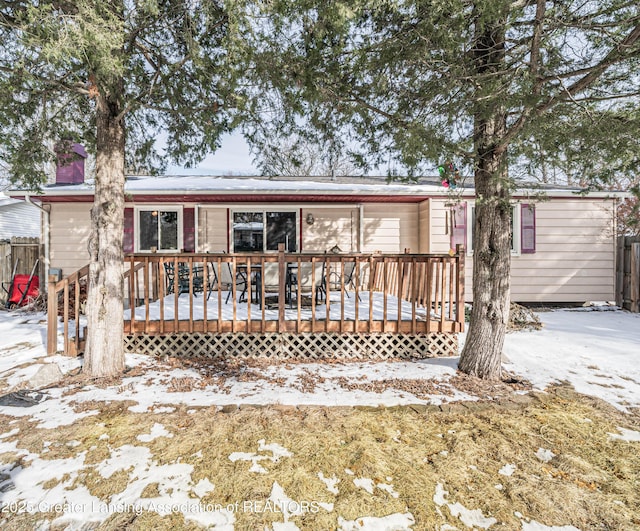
point(170, 275)
point(197, 281)
point(346, 272)
point(240, 280)
point(212, 278)
point(319, 289)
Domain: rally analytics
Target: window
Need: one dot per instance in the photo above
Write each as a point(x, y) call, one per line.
point(264, 230)
point(522, 228)
point(159, 229)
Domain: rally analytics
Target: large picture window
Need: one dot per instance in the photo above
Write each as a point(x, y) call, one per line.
point(159, 229)
point(264, 230)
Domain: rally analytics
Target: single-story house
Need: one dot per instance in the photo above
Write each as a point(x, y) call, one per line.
point(563, 245)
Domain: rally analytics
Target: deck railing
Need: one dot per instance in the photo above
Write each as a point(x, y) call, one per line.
point(283, 293)
point(66, 300)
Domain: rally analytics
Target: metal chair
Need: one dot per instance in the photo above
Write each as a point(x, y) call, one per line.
point(196, 283)
point(239, 279)
point(170, 275)
point(212, 278)
point(292, 288)
point(346, 272)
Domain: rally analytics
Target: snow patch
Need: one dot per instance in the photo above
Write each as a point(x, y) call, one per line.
point(277, 452)
point(507, 470)
point(203, 487)
point(330, 482)
point(157, 430)
point(545, 455)
point(625, 435)
point(470, 518)
point(369, 485)
point(364, 483)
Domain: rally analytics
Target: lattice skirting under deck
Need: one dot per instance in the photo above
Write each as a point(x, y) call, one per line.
point(311, 346)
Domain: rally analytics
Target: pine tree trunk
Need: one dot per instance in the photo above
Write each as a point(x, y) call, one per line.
point(104, 353)
point(482, 353)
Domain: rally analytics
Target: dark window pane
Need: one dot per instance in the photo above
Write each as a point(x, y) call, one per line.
point(168, 231)
point(247, 232)
point(281, 228)
point(148, 230)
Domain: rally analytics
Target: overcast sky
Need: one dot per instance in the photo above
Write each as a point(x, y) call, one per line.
point(233, 158)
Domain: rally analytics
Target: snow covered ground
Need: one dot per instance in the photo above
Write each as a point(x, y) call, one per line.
point(598, 352)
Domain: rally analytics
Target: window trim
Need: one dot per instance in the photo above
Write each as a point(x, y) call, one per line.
point(516, 227)
point(264, 210)
point(161, 208)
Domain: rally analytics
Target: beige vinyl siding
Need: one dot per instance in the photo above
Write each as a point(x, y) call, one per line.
point(391, 228)
point(439, 239)
point(331, 227)
point(212, 229)
point(70, 229)
point(423, 226)
point(575, 252)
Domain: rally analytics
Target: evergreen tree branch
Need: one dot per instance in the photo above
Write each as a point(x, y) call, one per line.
point(620, 52)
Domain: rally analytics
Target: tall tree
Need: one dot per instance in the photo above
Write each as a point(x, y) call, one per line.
point(111, 74)
point(481, 81)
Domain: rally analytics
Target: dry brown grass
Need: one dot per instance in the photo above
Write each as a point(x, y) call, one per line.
point(592, 483)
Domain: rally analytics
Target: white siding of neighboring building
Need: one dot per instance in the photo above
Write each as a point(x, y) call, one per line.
point(18, 218)
point(574, 260)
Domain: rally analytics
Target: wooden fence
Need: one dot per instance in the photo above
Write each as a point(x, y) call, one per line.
point(628, 273)
point(21, 251)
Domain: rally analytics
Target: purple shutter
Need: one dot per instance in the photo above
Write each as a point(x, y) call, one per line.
point(527, 229)
point(127, 239)
point(458, 225)
point(189, 230)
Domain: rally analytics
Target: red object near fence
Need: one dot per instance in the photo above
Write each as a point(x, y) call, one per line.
point(24, 289)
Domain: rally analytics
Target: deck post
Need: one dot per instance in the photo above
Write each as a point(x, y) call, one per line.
point(620, 271)
point(635, 278)
point(282, 272)
point(460, 302)
point(52, 316)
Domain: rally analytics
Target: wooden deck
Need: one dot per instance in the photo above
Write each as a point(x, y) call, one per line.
point(328, 295)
